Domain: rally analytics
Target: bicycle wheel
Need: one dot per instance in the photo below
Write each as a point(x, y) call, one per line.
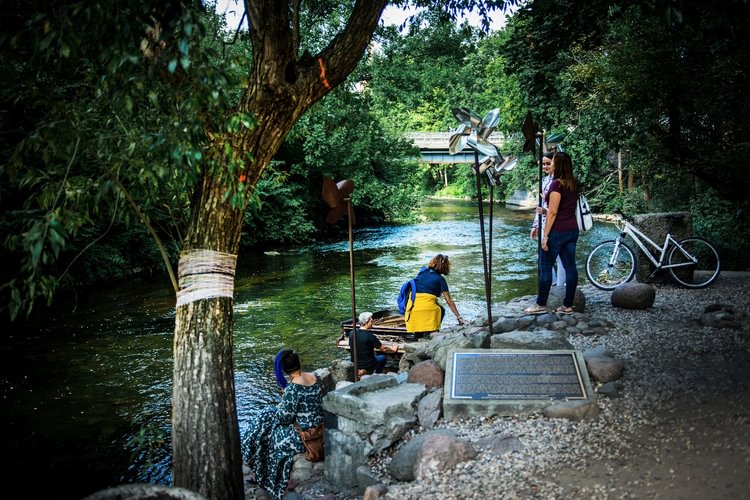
point(610, 263)
point(696, 262)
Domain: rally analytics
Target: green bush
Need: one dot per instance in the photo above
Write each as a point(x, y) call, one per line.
point(724, 224)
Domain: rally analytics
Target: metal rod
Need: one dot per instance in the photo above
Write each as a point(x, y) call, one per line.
point(540, 230)
point(489, 249)
point(351, 276)
point(484, 245)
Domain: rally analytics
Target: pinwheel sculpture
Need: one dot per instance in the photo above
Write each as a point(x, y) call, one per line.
point(337, 196)
point(474, 131)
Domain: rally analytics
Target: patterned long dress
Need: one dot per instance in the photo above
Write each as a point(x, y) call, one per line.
point(271, 440)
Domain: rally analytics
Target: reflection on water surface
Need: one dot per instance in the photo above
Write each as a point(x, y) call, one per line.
point(78, 388)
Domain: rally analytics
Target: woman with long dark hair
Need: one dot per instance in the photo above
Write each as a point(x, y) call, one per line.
point(560, 235)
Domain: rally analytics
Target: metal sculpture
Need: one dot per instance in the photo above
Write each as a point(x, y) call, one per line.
point(337, 196)
point(474, 132)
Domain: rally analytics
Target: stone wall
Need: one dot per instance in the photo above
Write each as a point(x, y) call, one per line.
point(656, 226)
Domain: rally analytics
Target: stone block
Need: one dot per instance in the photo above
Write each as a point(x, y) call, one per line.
point(656, 226)
point(345, 453)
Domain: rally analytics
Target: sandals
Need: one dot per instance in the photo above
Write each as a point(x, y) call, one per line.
point(535, 309)
point(565, 310)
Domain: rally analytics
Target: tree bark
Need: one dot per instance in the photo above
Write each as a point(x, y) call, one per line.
point(281, 87)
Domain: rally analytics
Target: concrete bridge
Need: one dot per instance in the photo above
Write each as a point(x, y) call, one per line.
point(433, 147)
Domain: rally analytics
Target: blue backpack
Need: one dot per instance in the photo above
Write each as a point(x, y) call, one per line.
point(403, 295)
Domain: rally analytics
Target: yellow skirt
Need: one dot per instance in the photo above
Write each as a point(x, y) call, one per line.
point(425, 316)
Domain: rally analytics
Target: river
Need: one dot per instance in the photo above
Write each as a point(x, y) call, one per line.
point(87, 393)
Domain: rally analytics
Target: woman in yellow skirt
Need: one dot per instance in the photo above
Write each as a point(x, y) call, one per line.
point(425, 314)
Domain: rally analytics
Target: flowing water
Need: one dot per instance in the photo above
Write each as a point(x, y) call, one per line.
point(87, 394)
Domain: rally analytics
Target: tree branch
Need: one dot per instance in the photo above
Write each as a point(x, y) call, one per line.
point(151, 231)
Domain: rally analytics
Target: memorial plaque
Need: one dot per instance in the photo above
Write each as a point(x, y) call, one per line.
point(528, 375)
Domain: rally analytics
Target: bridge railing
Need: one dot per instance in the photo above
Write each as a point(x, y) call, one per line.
point(440, 140)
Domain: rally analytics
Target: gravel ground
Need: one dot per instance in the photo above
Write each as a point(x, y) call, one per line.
point(680, 427)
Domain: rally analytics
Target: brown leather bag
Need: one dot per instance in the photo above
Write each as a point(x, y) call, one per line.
point(313, 440)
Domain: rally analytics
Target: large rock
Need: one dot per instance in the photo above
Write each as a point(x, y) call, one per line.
point(342, 369)
point(572, 410)
point(440, 452)
point(633, 296)
point(429, 409)
point(429, 452)
point(604, 368)
point(142, 491)
point(440, 350)
point(427, 373)
point(724, 316)
point(543, 340)
point(363, 419)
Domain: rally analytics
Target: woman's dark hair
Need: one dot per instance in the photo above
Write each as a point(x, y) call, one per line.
point(290, 361)
point(441, 264)
point(564, 171)
point(286, 361)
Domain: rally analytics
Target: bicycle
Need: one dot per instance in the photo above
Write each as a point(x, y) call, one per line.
point(692, 262)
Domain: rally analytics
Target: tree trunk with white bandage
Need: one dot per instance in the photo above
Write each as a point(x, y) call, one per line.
point(282, 85)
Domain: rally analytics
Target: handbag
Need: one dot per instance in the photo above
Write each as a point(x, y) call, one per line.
point(312, 439)
point(584, 218)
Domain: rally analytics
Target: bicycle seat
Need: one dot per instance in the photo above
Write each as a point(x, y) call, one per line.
point(675, 217)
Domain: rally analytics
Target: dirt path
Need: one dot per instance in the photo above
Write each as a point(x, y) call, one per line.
point(701, 450)
point(695, 445)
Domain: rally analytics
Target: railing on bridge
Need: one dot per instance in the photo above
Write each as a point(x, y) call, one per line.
point(433, 147)
point(440, 140)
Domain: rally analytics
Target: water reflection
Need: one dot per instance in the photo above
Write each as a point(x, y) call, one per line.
point(79, 388)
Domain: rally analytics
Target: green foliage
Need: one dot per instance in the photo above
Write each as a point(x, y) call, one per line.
point(724, 224)
point(102, 108)
point(93, 118)
point(462, 184)
point(278, 212)
point(415, 79)
point(146, 442)
point(341, 138)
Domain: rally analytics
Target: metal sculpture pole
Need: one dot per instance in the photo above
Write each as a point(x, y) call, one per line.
point(489, 249)
point(540, 231)
point(475, 132)
point(336, 195)
point(487, 287)
point(351, 275)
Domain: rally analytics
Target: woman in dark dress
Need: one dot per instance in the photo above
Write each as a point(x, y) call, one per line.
point(271, 441)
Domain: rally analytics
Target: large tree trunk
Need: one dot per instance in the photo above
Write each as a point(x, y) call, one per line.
point(281, 87)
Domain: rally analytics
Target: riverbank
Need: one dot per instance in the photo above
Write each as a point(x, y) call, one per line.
point(677, 426)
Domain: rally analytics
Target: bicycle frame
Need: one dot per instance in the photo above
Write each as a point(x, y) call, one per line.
point(638, 237)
